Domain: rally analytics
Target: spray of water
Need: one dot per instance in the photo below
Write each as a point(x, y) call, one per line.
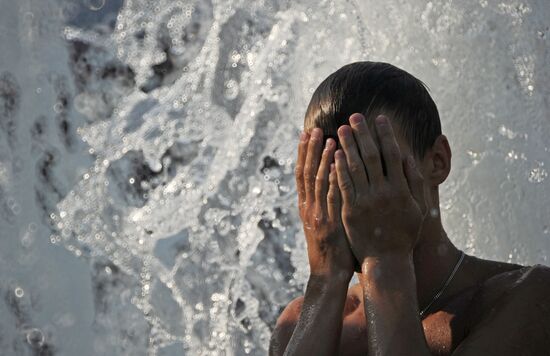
point(155, 142)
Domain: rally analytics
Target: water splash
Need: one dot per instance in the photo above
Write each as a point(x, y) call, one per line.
point(160, 144)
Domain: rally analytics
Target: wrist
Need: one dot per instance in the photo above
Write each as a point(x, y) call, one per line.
point(373, 255)
point(391, 266)
point(329, 270)
point(332, 278)
point(387, 258)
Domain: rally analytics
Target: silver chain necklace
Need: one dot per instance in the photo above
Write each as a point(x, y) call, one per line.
point(445, 285)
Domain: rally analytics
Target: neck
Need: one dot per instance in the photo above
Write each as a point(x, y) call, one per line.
point(434, 258)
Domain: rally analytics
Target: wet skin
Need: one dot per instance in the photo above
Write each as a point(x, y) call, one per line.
point(506, 314)
point(490, 308)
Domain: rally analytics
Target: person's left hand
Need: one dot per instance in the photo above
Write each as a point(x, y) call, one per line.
point(382, 215)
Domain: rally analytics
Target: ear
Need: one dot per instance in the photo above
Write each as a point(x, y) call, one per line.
point(437, 162)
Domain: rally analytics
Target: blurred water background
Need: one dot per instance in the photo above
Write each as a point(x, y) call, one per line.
point(147, 148)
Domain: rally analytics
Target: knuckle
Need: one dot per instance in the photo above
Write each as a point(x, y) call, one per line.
point(346, 185)
point(354, 167)
point(319, 179)
point(318, 219)
point(359, 133)
point(332, 195)
point(318, 190)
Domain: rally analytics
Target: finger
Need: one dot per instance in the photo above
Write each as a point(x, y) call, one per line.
point(415, 182)
point(321, 180)
point(299, 170)
point(367, 149)
point(333, 195)
point(344, 179)
point(312, 163)
point(356, 167)
point(390, 152)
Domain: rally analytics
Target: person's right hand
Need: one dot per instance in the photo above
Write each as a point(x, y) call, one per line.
point(319, 202)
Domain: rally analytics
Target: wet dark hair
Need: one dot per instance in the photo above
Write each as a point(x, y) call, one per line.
point(372, 88)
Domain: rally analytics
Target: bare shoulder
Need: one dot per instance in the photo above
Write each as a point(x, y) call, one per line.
point(287, 321)
point(513, 283)
point(291, 313)
point(285, 326)
point(511, 314)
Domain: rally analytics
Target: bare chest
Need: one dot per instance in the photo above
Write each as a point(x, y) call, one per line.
point(443, 329)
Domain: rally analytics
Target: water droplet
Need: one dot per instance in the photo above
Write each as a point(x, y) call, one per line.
point(231, 89)
point(16, 209)
point(537, 175)
point(377, 231)
point(27, 239)
point(32, 227)
point(35, 337)
point(19, 292)
point(504, 131)
point(434, 212)
point(94, 5)
point(57, 108)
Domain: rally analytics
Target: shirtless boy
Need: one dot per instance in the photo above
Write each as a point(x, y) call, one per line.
point(369, 203)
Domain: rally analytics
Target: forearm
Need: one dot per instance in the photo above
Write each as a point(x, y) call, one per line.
point(391, 308)
point(320, 324)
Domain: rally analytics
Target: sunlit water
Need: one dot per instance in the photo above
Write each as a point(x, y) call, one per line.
point(147, 197)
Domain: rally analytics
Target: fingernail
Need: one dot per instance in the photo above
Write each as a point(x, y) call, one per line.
point(329, 143)
point(303, 136)
point(339, 154)
point(356, 118)
point(411, 162)
point(381, 120)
